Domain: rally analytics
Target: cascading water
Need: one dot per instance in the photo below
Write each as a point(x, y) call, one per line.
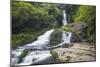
point(65, 22)
point(39, 55)
point(34, 57)
point(42, 40)
point(66, 36)
point(16, 54)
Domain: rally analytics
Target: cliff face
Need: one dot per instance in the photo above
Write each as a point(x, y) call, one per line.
point(76, 53)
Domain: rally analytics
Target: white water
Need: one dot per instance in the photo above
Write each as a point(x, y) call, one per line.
point(37, 56)
point(66, 36)
point(42, 40)
point(41, 43)
point(64, 17)
point(15, 54)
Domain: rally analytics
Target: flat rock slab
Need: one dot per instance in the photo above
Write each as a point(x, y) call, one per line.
point(76, 53)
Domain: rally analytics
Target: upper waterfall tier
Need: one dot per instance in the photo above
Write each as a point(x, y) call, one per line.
point(65, 22)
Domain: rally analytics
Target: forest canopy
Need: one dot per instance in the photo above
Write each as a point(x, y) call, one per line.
point(27, 15)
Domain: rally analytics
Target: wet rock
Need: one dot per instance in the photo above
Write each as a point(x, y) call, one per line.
point(78, 37)
point(75, 38)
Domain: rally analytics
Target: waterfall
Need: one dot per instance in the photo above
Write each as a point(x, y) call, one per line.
point(16, 54)
point(40, 43)
point(37, 56)
point(42, 40)
point(65, 22)
point(40, 55)
point(66, 36)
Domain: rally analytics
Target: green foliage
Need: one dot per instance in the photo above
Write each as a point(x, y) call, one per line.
point(22, 39)
point(73, 12)
point(31, 19)
point(26, 15)
point(87, 14)
point(25, 38)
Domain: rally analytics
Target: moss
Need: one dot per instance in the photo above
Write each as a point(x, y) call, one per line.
point(58, 59)
point(22, 56)
point(55, 37)
point(55, 56)
point(70, 28)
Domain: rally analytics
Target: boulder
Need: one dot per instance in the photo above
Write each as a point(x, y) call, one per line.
point(77, 53)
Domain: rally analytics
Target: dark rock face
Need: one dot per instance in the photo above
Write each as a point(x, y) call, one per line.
point(74, 38)
point(79, 37)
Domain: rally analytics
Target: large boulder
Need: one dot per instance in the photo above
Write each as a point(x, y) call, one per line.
point(56, 37)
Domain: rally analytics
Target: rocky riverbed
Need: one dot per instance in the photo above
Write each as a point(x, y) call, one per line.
point(76, 53)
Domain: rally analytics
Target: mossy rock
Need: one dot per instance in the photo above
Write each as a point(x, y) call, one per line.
point(70, 28)
point(56, 37)
point(75, 27)
point(55, 56)
point(22, 56)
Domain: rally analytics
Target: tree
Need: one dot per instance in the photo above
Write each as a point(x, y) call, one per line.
point(27, 16)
